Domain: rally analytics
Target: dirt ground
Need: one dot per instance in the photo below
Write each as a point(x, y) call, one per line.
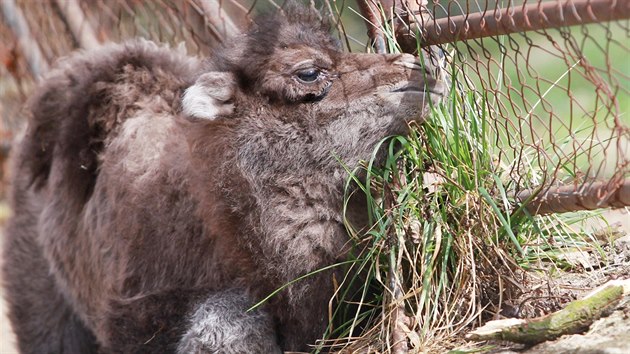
point(609, 335)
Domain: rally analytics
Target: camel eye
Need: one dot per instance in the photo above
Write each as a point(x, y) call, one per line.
point(308, 75)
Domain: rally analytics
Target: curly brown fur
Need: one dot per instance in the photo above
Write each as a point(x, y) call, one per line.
point(157, 196)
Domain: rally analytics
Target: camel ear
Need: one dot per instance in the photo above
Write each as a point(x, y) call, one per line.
point(210, 97)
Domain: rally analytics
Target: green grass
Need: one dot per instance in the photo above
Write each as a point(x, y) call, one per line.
point(430, 223)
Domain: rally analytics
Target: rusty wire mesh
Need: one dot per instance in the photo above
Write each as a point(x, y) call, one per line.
point(557, 96)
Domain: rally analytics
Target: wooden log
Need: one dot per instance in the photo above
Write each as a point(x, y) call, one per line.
point(576, 317)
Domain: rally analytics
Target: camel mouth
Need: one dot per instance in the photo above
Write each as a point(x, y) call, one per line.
point(437, 89)
point(409, 88)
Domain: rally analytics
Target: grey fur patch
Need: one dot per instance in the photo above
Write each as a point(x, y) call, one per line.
point(221, 324)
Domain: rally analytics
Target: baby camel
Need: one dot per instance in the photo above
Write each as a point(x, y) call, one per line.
point(158, 196)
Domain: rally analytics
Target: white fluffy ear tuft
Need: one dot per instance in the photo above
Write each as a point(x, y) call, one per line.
point(209, 98)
